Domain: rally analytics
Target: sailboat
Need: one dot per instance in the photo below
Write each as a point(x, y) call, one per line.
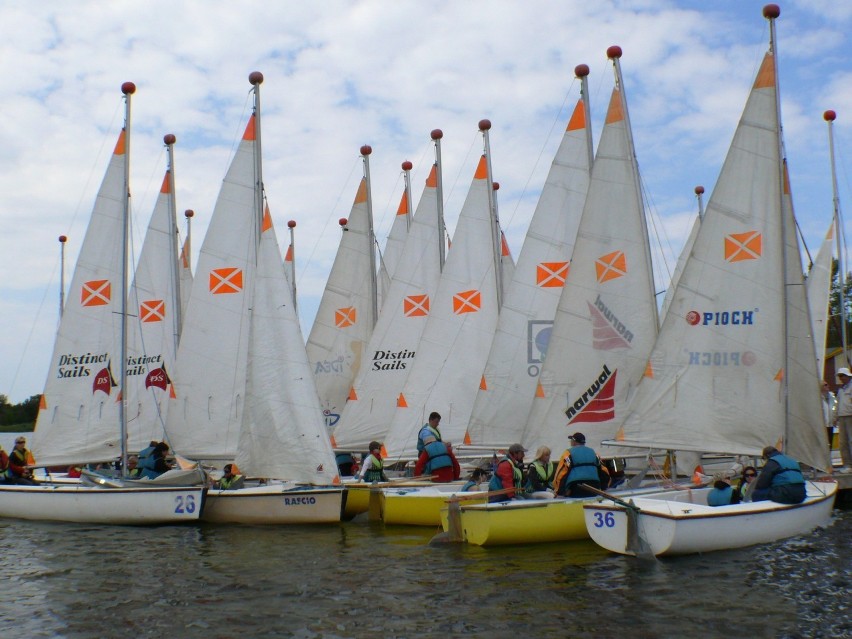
point(82, 416)
point(734, 368)
point(602, 332)
point(242, 340)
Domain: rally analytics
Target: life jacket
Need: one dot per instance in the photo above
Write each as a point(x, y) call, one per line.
point(16, 458)
point(226, 482)
point(788, 473)
point(720, 496)
point(545, 474)
point(426, 431)
point(375, 472)
point(439, 457)
point(147, 465)
point(496, 483)
point(4, 465)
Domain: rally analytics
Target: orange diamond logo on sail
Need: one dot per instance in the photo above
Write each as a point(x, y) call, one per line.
point(226, 280)
point(415, 306)
point(96, 293)
point(152, 311)
point(551, 274)
point(467, 302)
point(611, 266)
point(743, 246)
point(344, 317)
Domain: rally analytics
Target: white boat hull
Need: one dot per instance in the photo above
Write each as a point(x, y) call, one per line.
point(274, 504)
point(94, 505)
point(685, 524)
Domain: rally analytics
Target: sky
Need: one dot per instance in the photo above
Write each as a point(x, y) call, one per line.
point(340, 74)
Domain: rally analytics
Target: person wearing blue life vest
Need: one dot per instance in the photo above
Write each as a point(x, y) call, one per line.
point(152, 460)
point(345, 464)
point(578, 465)
point(508, 476)
point(474, 479)
point(429, 431)
point(780, 480)
point(722, 493)
point(439, 461)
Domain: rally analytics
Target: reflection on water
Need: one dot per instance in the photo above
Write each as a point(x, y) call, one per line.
point(365, 580)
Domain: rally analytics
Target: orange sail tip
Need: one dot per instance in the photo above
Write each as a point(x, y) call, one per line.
point(166, 187)
point(578, 118)
point(42, 403)
point(384, 452)
point(779, 376)
point(766, 76)
point(336, 481)
point(697, 478)
point(786, 180)
point(482, 384)
point(361, 195)
point(400, 401)
point(249, 135)
point(432, 180)
point(289, 256)
point(505, 245)
point(333, 442)
point(649, 371)
point(267, 221)
point(352, 394)
point(481, 169)
point(467, 439)
point(120, 146)
point(619, 436)
point(615, 113)
point(539, 390)
point(780, 444)
point(403, 205)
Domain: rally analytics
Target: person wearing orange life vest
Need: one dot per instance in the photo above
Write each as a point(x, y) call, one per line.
point(579, 465)
point(509, 475)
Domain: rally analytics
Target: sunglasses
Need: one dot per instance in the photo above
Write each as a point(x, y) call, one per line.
point(749, 475)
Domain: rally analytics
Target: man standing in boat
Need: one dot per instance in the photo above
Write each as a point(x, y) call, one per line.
point(429, 429)
point(844, 418)
point(579, 465)
point(780, 480)
point(438, 460)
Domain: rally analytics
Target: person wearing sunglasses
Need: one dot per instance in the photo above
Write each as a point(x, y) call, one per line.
point(749, 475)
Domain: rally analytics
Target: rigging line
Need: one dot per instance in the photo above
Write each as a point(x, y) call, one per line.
point(653, 215)
point(387, 208)
point(448, 195)
point(556, 120)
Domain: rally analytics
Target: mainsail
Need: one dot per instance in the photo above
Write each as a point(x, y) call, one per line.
point(526, 317)
point(734, 367)
point(606, 320)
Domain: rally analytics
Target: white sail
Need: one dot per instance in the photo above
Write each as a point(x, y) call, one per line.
point(345, 317)
point(458, 333)
point(78, 420)
point(818, 287)
point(185, 271)
point(606, 320)
point(718, 376)
point(153, 330)
point(210, 375)
point(529, 306)
point(282, 433)
point(684, 255)
point(395, 244)
point(394, 344)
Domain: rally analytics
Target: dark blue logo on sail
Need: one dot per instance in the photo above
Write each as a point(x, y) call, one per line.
point(721, 318)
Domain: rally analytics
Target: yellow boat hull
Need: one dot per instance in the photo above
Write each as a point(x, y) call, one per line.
point(421, 506)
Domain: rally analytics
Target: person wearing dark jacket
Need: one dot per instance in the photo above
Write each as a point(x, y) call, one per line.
point(780, 480)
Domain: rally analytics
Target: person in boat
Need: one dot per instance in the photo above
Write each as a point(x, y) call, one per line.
point(722, 493)
point(829, 411)
point(540, 473)
point(476, 477)
point(4, 466)
point(781, 479)
point(749, 475)
point(844, 418)
point(373, 468)
point(438, 460)
point(133, 470)
point(152, 460)
point(230, 480)
point(19, 460)
point(508, 476)
point(579, 465)
point(429, 429)
point(345, 464)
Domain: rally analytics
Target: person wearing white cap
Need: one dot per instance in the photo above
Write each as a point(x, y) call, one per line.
point(844, 418)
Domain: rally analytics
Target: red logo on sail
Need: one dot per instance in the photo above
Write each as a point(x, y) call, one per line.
point(344, 317)
point(152, 311)
point(158, 378)
point(608, 332)
point(226, 280)
point(96, 293)
point(467, 302)
point(551, 274)
point(104, 380)
point(743, 246)
point(415, 306)
point(597, 403)
point(611, 266)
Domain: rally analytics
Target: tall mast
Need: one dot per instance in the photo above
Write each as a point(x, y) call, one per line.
point(256, 79)
point(582, 71)
point(177, 317)
point(128, 89)
point(406, 176)
point(829, 117)
point(614, 54)
point(699, 194)
point(436, 135)
point(496, 243)
point(62, 240)
point(366, 150)
point(292, 255)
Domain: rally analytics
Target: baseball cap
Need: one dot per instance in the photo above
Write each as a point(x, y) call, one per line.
point(580, 438)
point(517, 448)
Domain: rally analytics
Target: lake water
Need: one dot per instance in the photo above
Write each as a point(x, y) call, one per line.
point(368, 580)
